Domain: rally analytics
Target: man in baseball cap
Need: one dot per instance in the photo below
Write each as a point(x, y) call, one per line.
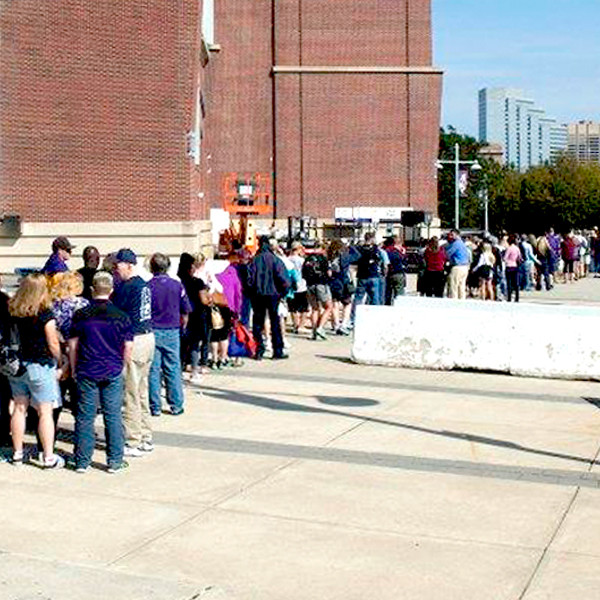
point(61, 253)
point(133, 297)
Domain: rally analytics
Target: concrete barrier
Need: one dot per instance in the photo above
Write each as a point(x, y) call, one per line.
point(522, 339)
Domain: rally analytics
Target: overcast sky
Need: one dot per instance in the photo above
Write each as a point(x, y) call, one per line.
point(549, 48)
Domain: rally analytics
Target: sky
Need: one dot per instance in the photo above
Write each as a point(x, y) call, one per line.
point(548, 48)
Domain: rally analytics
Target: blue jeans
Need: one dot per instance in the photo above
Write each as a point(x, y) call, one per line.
point(373, 288)
point(525, 282)
point(166, 362)
point(246, 310)
point(545, 273)
point(501, 289)
point(108, 393)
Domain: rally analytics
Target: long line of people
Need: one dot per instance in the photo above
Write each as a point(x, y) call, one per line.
point(499, 268)
point(108, 337)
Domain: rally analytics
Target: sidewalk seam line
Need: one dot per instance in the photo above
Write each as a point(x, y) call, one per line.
point(123, 556)
point(555, 534)
point(350, 526)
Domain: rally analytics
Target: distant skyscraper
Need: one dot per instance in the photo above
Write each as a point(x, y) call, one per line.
point(584, 141)
point(528, 136)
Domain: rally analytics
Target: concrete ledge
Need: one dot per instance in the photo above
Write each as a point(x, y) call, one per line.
point(31, 249)
point(522, 339)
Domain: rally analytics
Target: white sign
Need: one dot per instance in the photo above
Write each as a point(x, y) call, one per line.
point(389, 213)
point(343, 213)
point(246, 191)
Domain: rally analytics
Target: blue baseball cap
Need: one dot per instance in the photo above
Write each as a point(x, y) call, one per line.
point(126, 255)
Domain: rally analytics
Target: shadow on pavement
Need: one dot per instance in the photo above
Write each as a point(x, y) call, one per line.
point(417, 387)
point(272, 404)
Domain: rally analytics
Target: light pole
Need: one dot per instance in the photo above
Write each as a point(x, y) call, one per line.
point(486, 216)
point(472, 164)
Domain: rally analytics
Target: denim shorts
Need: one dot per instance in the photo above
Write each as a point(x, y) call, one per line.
point(38, 384)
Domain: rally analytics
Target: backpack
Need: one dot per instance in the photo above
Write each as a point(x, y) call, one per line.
point(396, 261)
point(294, 279)
point(313, 269)
point(11, 364)
point(370, 263)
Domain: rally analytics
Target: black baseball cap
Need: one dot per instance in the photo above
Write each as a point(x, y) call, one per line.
point(126, 255)
point(62, 243)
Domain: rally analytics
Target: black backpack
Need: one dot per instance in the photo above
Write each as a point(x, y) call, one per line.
point(11, 364)
point(314, 269)
point(370, 263)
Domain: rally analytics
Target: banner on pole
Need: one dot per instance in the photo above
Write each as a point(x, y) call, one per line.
point(463, 181)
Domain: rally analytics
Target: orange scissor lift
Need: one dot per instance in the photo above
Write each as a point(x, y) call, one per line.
point(244, 195)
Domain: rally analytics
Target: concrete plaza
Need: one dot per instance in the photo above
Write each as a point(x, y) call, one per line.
point(315, 478)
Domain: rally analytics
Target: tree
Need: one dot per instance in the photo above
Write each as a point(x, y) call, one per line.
point(469, 149)
point(562, 195)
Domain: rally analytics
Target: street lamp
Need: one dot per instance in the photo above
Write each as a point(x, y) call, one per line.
point(473, 166)
point(486, 208)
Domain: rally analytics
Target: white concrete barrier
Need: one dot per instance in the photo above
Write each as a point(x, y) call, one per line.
point(523, 339)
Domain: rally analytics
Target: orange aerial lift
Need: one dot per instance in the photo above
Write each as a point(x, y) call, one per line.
point(244, 195)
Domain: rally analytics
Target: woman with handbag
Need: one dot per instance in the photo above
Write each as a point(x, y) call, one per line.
point(222, 322)
point(40, 352)
point(196, 334)
point(227, 308)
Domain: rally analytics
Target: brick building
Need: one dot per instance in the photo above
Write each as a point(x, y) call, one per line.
point(122, 112)
point(337, 98)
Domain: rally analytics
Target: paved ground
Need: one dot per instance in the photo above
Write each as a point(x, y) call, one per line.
point(317, 478)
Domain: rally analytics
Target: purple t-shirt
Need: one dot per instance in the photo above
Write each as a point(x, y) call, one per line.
point(169, 302)
point(102, 330)
point(54, 264)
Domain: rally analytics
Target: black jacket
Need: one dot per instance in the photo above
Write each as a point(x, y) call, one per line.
point(267, 275)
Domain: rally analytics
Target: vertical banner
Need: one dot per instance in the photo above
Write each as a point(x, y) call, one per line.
point(463, 181)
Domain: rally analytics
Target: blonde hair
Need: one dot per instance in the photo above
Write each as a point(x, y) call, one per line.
point(32, 297)
point(65, 285)
point(199, 259)
point(102, 283)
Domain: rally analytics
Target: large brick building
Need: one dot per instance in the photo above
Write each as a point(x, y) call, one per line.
point(121, 111)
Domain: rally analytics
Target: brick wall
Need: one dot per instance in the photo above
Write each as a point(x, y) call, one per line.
point(355, 139)
point(96, 99)
point(238, 93)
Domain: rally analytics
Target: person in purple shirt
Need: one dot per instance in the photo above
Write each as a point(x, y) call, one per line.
point(101, 342)
point(170, 310)
point(61, 253)
point(554, 243)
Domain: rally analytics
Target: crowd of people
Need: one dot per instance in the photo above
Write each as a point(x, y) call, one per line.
point(108, 338)
point(120, 337)
point(499, 268)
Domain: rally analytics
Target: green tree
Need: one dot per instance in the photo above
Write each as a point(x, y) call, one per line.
point(469, 149)
point(563, 195)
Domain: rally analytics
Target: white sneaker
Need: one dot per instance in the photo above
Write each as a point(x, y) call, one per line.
point(196, 379)
point(146, 447)
point(57, 462)
point(133, 452)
